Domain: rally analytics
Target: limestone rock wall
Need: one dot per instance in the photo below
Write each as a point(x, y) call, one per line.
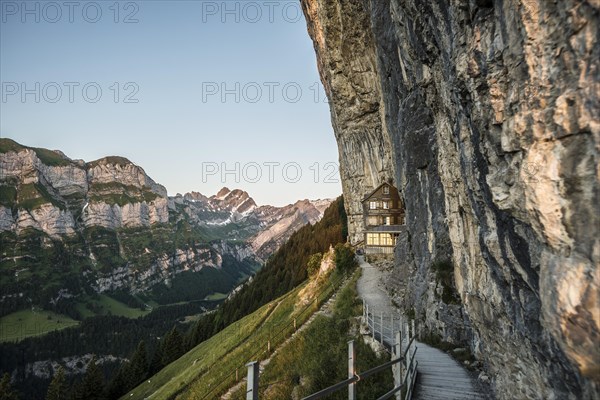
point(65, 189)
point(486, 115)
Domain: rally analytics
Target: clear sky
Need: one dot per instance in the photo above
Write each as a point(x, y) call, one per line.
point(185, 89)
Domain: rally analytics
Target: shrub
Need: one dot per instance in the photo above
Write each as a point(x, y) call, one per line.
point(344, 258)
point(314, 263)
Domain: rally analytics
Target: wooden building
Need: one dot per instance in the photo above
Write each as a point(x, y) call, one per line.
point(383, 212)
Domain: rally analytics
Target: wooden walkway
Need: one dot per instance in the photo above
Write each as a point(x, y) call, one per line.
point(439, 376)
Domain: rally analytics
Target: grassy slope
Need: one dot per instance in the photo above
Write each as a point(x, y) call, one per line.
point(216, 296)
point(48, 157)
point(108, 305)
point(214, 361)
point(317, 357)
point(27, 323)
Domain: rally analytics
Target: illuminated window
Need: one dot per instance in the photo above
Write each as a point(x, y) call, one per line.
point(386, 240)
point(373, 205)
point(380, 239)
point(386, 190)
point(373, 239)
point(388, 220)
point(386, 205)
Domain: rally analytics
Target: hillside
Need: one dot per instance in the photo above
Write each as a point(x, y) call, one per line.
point(209, 368)
point(317, 356)
point(218, 363)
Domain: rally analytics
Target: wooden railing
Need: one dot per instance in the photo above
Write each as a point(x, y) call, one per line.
point(403, 362)
point(374, 249)
point(376, 320)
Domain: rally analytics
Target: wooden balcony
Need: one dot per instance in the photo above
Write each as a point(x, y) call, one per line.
point(379, 211)
point(379, 250)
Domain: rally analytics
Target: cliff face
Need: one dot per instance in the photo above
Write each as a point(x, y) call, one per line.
point(486, 116)
point(111, 192)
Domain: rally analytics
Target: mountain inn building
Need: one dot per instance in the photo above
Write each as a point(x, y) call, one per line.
point(383, 212)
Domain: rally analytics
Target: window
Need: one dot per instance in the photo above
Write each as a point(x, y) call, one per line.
point(388, 220)
point(386, 240)
point(373, 205)
point(373, 239)
point(386, 190)
point(386, 205)
point(380, 239)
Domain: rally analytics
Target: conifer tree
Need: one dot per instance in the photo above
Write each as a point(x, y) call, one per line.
point(173, 346)
point(7, 392)
point(58, 387)
point(156, 361)
point(92, 385)
point(138, 369)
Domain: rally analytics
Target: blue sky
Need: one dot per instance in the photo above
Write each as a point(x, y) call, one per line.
point(186, 89)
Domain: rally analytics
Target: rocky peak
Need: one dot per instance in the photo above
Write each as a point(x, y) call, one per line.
point(119, 170)
point(235, 200)
point(283, 221)
point(194, 196)
point(222, 193)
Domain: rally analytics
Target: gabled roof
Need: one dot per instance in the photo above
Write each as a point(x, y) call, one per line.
point(377, 188)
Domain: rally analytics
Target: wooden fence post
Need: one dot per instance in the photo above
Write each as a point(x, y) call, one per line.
point(398, 370)
point(364, 309)
point(381, 326)
point(252, 382)
point(351, 370)
point(373, 322)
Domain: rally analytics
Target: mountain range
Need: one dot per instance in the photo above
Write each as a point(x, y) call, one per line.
point(70, 228)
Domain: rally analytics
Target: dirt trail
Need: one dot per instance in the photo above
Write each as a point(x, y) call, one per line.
point(371, 288)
